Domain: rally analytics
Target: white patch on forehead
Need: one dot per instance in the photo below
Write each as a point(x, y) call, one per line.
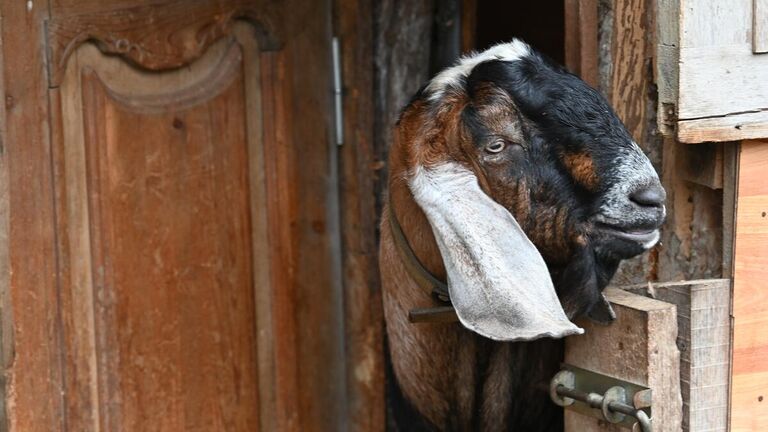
point(453, 75)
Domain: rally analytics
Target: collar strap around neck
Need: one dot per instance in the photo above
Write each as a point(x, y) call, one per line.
point(423, 277)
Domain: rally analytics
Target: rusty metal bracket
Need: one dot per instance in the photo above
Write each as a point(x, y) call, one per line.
point(600, 396)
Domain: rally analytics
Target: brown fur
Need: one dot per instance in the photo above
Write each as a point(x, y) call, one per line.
point(582, 169)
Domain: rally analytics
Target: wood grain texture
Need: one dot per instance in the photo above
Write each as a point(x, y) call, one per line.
point(625, 58)
point(279, 166)
point(631, 56)
point(306, 323)
point(692, 236)
point(750, 302)
point(720, 80)
point(146, 186)
point(32, 359)
point(704, 330)
point(316, 233)
point(156, 36)
point(731, 127)
point(703, 164)
point(638, 347)
point(362, 295)
point(401, 66)
point(6, 322)
point(710, 79)
point(713, 35)
point(581, 40)
point(759, 26)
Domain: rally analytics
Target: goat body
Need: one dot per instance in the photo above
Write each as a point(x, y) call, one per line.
point(516, 183)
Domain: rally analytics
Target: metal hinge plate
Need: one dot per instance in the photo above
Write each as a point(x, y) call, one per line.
point(595, 395)
point(337, 91)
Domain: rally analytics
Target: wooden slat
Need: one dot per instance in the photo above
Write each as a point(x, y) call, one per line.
point(362, 295)
point(760, 26)
point(704, 330)
point(722, 79)
point(581, 50)
point(750, 298)
point(703, 164)
point(631, 54)
point(639, 347)
point(711, 82)
point(6, 322)
point(728, 128)
point(33, 390)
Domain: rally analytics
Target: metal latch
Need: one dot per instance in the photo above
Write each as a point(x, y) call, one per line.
point(600, 396)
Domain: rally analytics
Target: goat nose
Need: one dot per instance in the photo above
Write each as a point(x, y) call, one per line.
point(649, 196)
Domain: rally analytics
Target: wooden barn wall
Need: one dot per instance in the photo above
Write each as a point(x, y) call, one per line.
point(353, 24)
point(692, 237)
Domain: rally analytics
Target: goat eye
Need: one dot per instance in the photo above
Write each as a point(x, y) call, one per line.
point(496, 146)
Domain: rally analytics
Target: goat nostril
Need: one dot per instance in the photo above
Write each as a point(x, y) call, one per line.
point(649, 196)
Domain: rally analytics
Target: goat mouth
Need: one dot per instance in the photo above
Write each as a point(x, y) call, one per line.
point(647, 237)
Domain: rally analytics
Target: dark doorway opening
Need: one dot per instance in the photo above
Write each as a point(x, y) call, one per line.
point(540, 23)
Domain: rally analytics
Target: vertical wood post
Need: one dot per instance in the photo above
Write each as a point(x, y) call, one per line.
point(704, 332)
point(639, 347)
point(581, 39)
point(749, 385)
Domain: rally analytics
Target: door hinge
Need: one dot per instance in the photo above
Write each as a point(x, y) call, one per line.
point(337, 91)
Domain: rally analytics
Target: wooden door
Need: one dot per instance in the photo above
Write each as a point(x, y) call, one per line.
point(186, 180)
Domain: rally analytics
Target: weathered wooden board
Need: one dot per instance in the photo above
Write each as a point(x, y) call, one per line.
point(749, 407)
point(33, 390)
point(704, 332)
point(702, 164)
point(640, 347)
point(720, 92)
point(731, 127)
point(760, 26)
point(581, 39)
point(363, 323)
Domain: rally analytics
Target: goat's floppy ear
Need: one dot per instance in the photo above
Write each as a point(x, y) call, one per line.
point(498, 281)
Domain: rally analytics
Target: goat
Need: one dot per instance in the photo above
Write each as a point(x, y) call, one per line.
point(515, 182)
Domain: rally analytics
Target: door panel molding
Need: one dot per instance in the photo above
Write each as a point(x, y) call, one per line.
point(157, 37)
point(232, 77)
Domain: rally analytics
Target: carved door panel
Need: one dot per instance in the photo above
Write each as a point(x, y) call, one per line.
point(182, 222)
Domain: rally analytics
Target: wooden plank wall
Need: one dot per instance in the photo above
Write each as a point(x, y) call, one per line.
point(31, 235)
point(402, 34)
point(704, 332)
point(759, 26)
point(363, 320)
point(6, 328)
point(749, 392)
point(581, 39)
